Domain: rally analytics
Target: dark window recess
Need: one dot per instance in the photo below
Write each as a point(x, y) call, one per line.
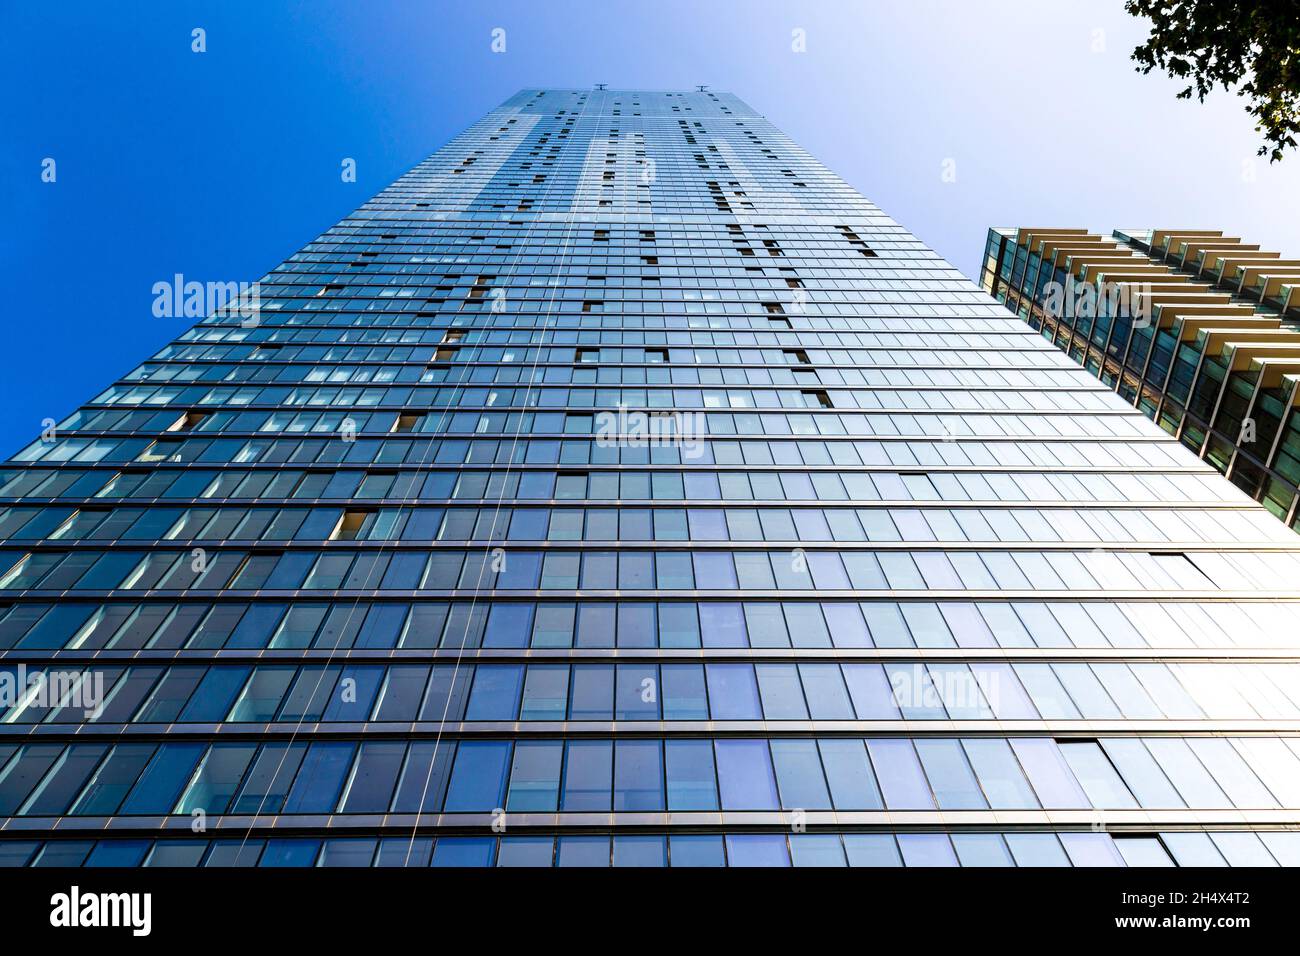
point(351, 525)
point(856, 241)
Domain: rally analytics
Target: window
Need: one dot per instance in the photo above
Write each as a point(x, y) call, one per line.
point(478, 777)
point(535, 777)
point(407, 422)
point(588, 773)
point(745, 777)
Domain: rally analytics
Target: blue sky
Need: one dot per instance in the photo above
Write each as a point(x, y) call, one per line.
point(218, 165)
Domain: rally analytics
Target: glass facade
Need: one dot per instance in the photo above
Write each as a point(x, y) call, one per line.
point(619, 487)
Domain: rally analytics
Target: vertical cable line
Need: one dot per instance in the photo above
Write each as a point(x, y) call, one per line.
point(401, 503)
point(532, 372)
point(410, 501)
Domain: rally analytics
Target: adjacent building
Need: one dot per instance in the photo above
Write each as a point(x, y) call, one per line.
point(620, 487)
point(1200, 331)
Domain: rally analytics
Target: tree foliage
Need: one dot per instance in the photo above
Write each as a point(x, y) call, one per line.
point(1253, 46)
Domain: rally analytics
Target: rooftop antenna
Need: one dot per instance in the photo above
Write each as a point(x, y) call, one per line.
point(600, 86)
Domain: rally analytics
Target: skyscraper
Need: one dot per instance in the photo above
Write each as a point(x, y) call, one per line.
point(621, 487)
point(1211, 352)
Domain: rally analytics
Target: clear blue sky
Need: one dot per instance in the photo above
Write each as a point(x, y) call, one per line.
point(218, 165)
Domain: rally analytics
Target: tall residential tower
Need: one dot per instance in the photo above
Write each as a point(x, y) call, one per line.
point(621, 487)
